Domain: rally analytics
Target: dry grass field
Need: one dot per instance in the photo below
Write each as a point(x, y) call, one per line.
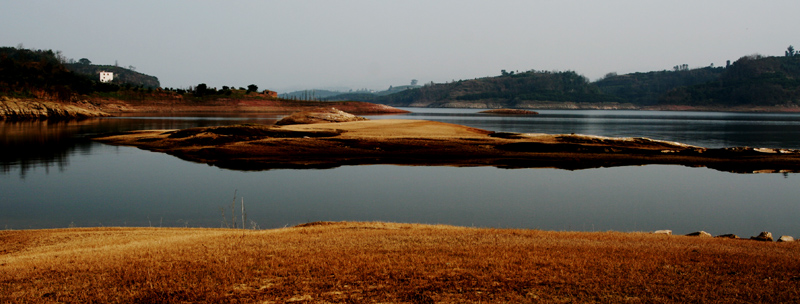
point(389, 263)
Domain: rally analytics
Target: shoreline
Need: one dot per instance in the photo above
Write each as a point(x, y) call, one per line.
point(32, 109)
point(36, 108)
point(324, 262)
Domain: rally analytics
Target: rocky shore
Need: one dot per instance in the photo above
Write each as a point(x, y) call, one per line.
point(23, 109)
point(764, 236)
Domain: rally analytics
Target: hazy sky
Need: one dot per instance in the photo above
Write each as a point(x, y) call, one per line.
point(304, 44)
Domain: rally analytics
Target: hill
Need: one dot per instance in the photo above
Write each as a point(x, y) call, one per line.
point(646, 88)
point(521, 90)
point(38, 73)
point(122, 75)
point(751, 83)
point(752, 80)
point(310, 94)
point(328, 95)
point(37, 84)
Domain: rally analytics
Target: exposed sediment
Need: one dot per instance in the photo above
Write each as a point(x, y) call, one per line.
point(21, 109)
point(416, 142)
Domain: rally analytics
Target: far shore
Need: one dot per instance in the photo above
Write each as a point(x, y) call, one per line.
point(35, 108)
point(360, 262)
point(20, 109)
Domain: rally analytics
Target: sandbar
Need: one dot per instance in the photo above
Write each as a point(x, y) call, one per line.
point(430, 143)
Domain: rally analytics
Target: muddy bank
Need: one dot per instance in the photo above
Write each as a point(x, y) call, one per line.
point(428, 143)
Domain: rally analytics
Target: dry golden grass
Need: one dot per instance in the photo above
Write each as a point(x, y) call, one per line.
point(389, 263)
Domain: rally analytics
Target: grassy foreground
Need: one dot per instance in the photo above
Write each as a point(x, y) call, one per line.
point(389, 263)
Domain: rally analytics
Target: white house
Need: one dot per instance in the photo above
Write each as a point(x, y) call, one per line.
point(106, 76)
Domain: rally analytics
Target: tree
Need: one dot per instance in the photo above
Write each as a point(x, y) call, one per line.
point(790, 52)
point(200, 90)
point(413, 82)
point(252, 88)
point(84, 61)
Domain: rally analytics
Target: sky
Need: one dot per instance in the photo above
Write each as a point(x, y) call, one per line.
point(340, 44)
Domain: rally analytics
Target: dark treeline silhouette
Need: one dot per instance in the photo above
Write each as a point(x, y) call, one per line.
point(753, 80)
point(39, 73)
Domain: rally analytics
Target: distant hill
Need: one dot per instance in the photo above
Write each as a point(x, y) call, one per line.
point(751, 80)
point(645, 89)
point(310, 94)
point(122, 75)
point(520, 90)
point(328, 95)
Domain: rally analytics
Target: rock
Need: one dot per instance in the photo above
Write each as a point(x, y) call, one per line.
point(700, 234)
point(667, 232)
point(763, 236)
point(30, 109)
point(320, 115)
point(786, 238)
point(728, 236)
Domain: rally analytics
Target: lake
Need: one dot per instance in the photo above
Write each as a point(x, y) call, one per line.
point(52, 176)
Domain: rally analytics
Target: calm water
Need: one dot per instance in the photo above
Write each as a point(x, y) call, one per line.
point(53, 177)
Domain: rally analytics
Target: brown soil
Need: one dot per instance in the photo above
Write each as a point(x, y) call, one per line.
point(389, 263)
point(415, 142)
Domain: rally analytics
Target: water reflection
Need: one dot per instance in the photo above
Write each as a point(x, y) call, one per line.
point(27, 145)
point(705, 129)
point(90, 184)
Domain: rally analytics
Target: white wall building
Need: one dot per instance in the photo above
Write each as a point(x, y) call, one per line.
point(106, 76)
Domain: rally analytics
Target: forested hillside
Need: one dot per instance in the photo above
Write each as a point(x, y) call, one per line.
point(507, 90)
point(122, 75)
point(28, 73)
point(751, 80)
point(44, 74)
point(646, 88)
